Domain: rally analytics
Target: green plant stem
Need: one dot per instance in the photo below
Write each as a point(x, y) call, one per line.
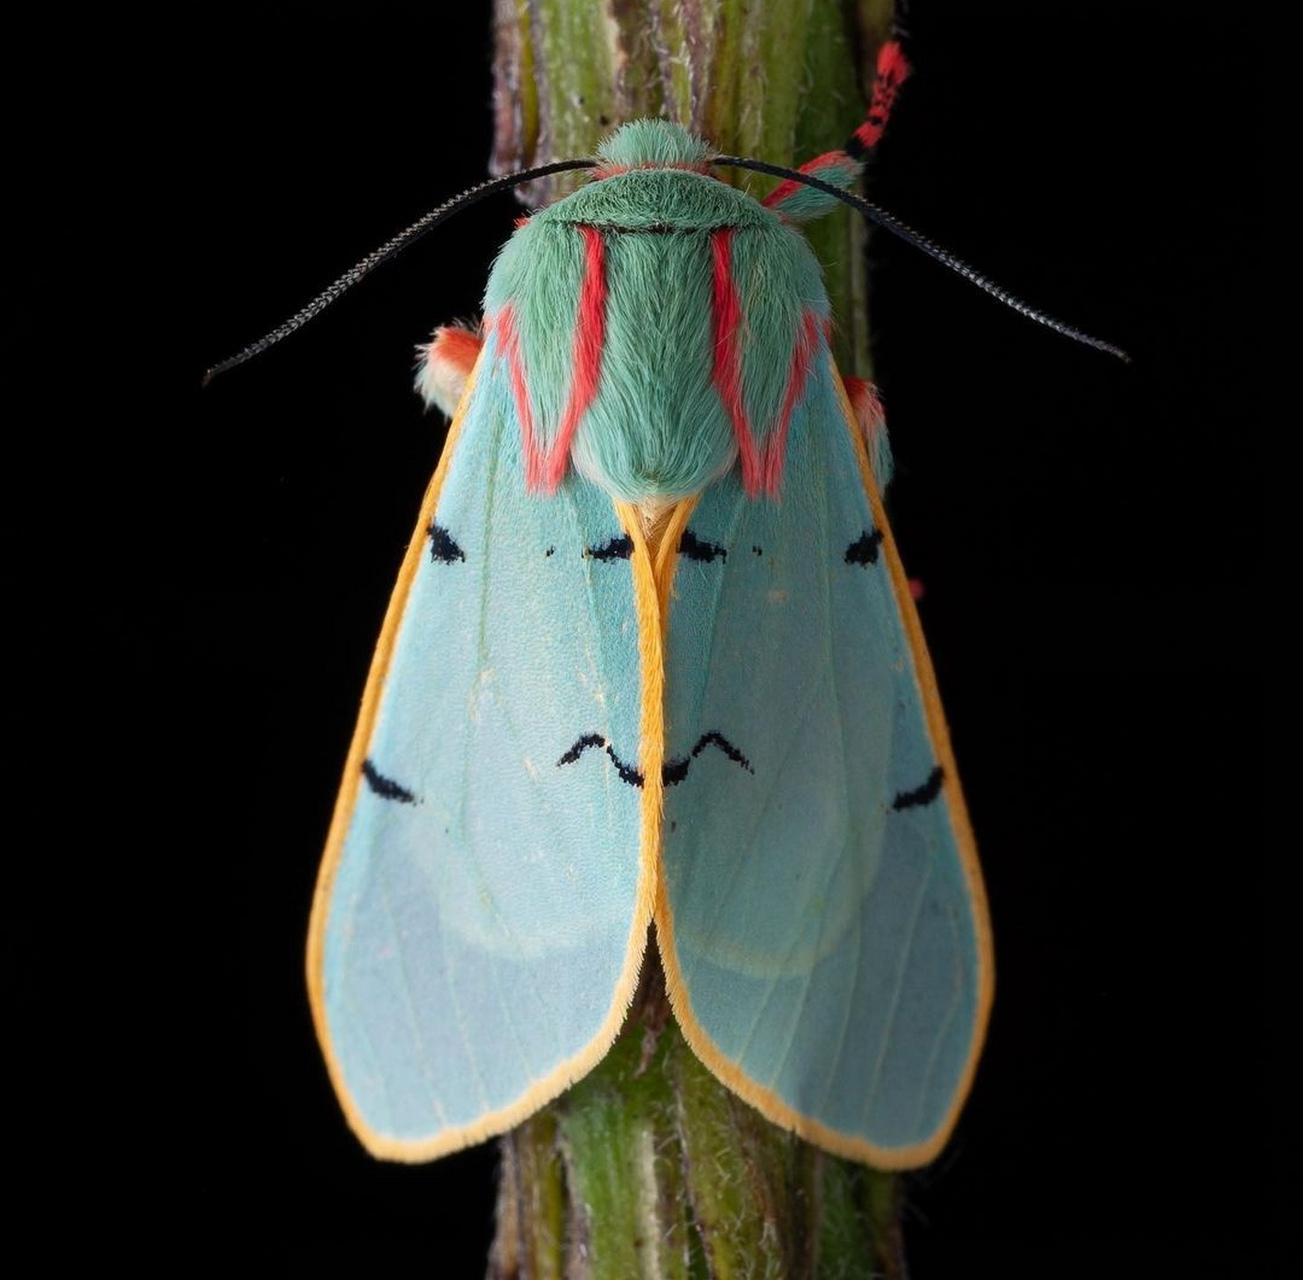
point(649, 1167)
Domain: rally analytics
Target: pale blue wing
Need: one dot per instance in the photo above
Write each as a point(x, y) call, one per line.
point(475, 940)
point(830, 949)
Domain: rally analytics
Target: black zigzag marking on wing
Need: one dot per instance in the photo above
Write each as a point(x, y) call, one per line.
point(443, 549)
point(864, 550)
point(921, 795)
point(672, 771)
point(695, 549)
point(627, 772)
point(386, 788)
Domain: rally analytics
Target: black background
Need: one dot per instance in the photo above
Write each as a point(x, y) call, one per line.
point(1086, 534)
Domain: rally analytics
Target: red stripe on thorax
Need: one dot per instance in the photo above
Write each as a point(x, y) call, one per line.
point(803, 353)
point(762, 464)
point(727, 316)
point(545, 468)
point(505, 324)
point(590, 336)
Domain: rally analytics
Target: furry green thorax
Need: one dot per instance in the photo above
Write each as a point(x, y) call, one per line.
point(656, 325)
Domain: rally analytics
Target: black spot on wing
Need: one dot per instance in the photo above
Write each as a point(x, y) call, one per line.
point(695, 549)
point(386, 788)
point(620, 548)
point(921, 795)
point(864, 550)
point(443, 549)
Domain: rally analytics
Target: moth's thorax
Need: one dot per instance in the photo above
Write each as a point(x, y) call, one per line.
point(654, 326)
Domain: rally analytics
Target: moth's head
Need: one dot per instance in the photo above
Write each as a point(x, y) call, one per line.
point(654, 176)
point(651, 144)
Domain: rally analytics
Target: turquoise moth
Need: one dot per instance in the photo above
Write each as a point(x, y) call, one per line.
point(652, 676)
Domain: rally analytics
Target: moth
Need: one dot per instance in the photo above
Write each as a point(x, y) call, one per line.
point(652, 676)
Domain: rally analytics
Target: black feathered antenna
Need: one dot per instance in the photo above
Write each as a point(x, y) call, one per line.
point(390, 249)
point(889, 222)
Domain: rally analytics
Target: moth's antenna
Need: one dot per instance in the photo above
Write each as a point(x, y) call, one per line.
point(390, 249)
point(890, 222)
